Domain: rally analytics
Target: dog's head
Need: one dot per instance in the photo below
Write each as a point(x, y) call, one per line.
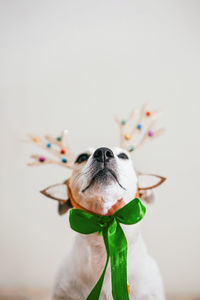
point(101, 177)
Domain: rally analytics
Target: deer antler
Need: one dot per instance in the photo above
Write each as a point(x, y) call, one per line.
point(56, 146)
point(138, 128)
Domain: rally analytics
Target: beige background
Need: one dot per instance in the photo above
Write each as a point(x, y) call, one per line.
point(74, 64)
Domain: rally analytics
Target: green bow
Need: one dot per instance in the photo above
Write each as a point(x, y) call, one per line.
point(115, 242)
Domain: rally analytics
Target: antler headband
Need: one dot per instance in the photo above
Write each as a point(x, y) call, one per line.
point(138, 129)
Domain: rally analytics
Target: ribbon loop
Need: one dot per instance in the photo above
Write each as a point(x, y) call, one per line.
point(114, 240)
point(131, 213)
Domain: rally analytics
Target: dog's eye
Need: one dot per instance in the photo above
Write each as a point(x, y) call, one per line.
point(123, 156)
point(82, 157)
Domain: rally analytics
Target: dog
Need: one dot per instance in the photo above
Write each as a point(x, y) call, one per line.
point(101, 178)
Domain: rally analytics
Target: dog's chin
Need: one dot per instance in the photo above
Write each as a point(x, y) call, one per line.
point(103, 193)
point(102, 179)
point(100, 191)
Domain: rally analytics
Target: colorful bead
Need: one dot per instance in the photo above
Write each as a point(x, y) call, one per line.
point(41, 158)
point(62, 151)
point(36, 139)
point(59, 138)
point(150, 133)
point(123, 122)
point(148, 113)
point(64, 160)
point(127, 136)
point(131, 149)
point(49, 145)
point(139, 126)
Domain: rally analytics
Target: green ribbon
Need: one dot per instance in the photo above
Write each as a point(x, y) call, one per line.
point(115, 242)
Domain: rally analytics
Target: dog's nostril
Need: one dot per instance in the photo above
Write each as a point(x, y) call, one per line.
point(103, 154)
point(109, 154)
point(98, 153)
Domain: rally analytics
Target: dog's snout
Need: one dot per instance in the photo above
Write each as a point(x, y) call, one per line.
point(103, 154)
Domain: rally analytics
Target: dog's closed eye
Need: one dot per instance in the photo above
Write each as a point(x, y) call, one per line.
point(122, 156)
point(82, 157)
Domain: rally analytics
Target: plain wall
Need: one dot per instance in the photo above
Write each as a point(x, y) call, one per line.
point(74, 64)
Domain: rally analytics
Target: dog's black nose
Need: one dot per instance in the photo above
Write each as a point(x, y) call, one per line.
point(103, 154)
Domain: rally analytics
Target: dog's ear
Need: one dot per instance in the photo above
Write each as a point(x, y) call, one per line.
point(148, 182)
point(58, 192)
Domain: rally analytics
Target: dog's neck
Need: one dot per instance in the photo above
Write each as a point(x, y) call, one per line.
point(98, 210)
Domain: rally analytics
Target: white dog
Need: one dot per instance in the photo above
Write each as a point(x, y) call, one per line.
point(100, 178)
point(102, 181)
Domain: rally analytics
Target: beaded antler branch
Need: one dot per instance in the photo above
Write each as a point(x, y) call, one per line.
point(58, 147)
point(139, 128)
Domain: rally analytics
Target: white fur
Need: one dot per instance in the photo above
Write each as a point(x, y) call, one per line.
point(83, 266)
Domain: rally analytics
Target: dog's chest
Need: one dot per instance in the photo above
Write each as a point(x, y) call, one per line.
point(96, 252)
